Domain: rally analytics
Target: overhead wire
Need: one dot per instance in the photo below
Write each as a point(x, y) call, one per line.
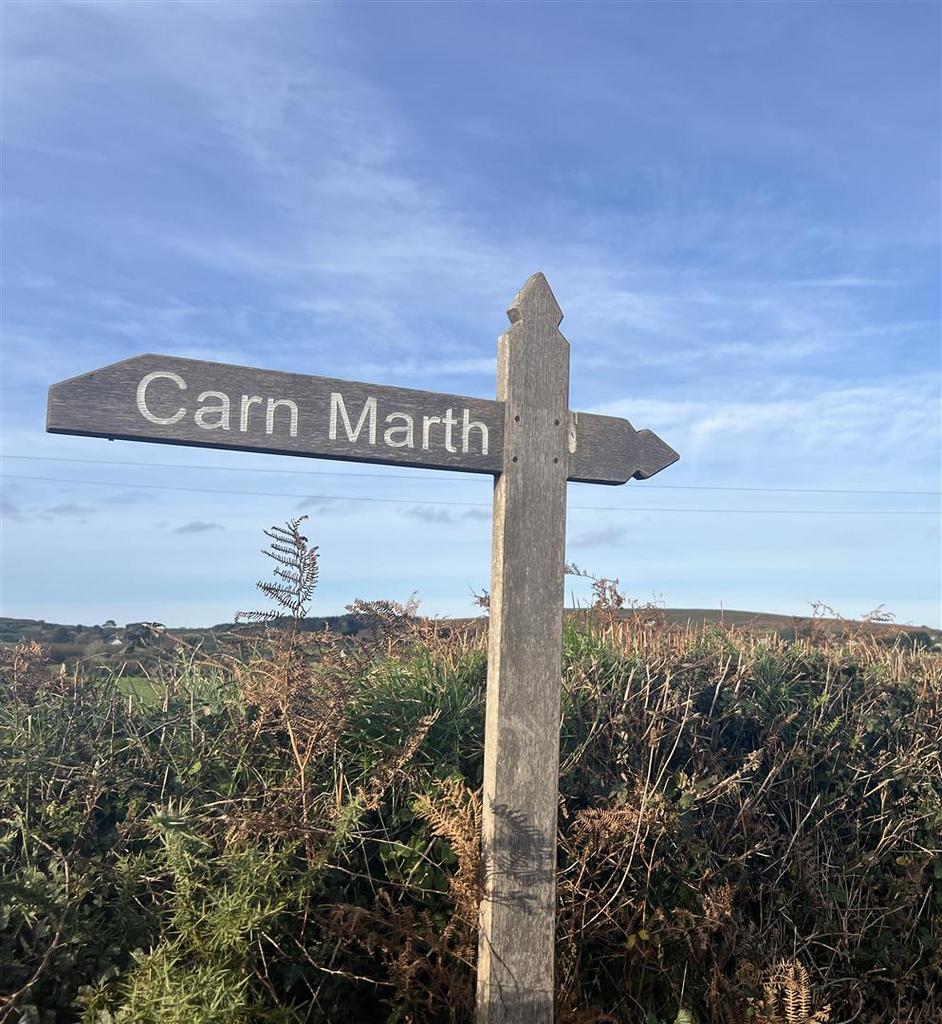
point(462, 504)
point(463, 477)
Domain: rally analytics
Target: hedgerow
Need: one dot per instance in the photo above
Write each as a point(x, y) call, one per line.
point(750, 829)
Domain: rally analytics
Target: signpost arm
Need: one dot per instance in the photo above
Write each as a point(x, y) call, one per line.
point(521, 755)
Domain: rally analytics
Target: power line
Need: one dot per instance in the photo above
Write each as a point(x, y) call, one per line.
point(478, 504)
point(463, 478)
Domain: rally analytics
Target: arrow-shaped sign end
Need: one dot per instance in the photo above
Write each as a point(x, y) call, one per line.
point(655, 455)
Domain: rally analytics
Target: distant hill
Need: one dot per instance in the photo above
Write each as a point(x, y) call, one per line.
point(773, 620)
point(129, 647)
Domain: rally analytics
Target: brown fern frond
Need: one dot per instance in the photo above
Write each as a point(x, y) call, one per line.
point(386, 623)
point(454, 813)
point(430, 971)
point(788, 996)
point(26, 665)
point(298, 573)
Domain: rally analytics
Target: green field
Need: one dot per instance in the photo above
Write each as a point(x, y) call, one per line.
point(144, 689)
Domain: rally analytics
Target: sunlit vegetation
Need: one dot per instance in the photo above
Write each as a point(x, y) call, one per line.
point(286, 829)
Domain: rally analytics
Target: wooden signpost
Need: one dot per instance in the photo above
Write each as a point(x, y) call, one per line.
point(532, 444)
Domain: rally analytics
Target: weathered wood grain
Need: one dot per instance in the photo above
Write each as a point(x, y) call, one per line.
point(521, 753)
point(107, 403)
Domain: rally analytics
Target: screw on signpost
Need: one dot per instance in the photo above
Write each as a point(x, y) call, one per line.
point(532, 444)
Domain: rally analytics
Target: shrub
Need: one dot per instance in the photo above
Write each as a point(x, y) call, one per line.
point(749, 830)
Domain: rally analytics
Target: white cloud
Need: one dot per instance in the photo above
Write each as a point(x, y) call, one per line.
point(838, 429)
point(429, 514)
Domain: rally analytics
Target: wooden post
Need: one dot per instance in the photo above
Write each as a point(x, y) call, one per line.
point(521, 751)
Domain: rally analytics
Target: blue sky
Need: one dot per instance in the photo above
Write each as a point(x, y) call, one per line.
point(737, 206)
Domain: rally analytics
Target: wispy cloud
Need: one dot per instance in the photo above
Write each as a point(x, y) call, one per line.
point(484, 366)
point(198, 526)
point(326, 505)
point(846, 281)
point(125, 497)
point(67, 510)
point(429, 514)
point(832, 427)
point(436, 515)
point(10, 510)
point(601, 537)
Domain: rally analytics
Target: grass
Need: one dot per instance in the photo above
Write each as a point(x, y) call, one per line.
point(142, 688)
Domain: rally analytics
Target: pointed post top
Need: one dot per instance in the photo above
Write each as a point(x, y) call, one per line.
point(534, 302)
